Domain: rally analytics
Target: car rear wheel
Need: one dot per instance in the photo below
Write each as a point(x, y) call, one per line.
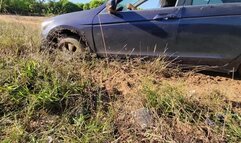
point(72, 47)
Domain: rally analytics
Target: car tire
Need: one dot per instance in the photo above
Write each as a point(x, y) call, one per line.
point(72, 46)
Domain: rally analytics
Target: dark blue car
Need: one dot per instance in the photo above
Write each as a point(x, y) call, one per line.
point(193, 32)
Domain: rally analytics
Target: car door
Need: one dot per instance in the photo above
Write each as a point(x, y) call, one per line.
point(209, 32)
point(147, 31)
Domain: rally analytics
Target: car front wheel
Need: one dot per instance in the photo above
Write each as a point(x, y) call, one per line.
point(71, 46)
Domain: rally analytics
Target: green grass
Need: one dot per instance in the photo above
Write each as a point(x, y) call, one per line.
point(171, 102)
point(45, 97)
point(33, 93)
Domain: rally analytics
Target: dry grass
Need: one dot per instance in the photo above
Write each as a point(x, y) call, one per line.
point(34, 20)
point(45, 98)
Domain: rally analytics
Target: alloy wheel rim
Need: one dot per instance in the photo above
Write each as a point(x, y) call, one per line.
point(68, 47)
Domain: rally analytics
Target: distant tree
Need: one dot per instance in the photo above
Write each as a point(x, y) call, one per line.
point(44, 7)
point(50, 7)
point(39, 7)
point(2, 6)
point(95, 3)
point(69, 7)
point(19, 6)
point(80, 5)
point(86, 6)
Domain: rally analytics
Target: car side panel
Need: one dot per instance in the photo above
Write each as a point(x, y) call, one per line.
point(134, 32)
point(210, 35)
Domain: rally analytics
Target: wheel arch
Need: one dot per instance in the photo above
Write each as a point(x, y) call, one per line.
point(60, 31)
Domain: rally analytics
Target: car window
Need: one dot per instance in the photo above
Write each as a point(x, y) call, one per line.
point(142, 4)
point(150, 4)
point(123, 4)
point(203, 2)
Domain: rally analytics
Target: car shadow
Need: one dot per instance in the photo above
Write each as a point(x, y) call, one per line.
point(234, 76)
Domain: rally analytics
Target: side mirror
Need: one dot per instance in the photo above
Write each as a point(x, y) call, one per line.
point(111, 11)
point(111, 6)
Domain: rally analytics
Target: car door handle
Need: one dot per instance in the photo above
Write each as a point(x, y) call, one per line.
point(165, 17)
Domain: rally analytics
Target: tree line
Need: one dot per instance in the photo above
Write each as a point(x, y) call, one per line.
point(44, 7)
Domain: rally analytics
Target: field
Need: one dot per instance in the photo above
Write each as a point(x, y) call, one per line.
point(47, 98)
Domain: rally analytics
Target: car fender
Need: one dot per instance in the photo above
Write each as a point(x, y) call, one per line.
point(84, 33)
